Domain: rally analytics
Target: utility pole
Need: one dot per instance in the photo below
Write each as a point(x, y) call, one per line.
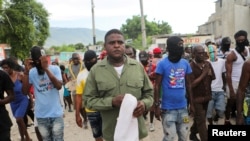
point(143, 28)
point(93, 21)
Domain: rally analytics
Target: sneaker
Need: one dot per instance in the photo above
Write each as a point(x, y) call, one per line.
point(151, 127)
point(193, 137)
point(85, 124)
point(227, 122)
point(70, 110)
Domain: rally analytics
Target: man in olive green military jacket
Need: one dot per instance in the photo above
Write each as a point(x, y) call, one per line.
point(110, 79)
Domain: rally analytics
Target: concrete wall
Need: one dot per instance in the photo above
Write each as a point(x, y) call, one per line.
point(230, 16)
point(242, 18)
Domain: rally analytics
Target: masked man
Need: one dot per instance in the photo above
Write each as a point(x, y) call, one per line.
point(47, 81)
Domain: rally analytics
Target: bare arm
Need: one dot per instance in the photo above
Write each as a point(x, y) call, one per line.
point(189, 91)
point(229, 64)
point(224, 81)
point(157, 86)
point(25, 78)
point(244, 80)
point(198, 80)
point(65, 79)
point(158, 83)
point(57, 83)
point(10, 97)
point(78, 103)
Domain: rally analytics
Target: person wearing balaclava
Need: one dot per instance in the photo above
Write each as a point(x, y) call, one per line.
point(90, 59)
point(47, 81)
point(172, 77)
point(175, 48)
point(241, 41)
point(225, 47)
point(234, 63)
point(35, 53)
point(217, 104)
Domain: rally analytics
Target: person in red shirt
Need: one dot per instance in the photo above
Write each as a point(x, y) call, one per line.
point(149, 67)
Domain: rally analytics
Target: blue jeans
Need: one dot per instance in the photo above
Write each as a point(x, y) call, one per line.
point(51, 129)
point(218, 103)
point(95, 121)
point(175, 122)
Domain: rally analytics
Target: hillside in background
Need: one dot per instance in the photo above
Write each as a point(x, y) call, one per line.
point(64, 36)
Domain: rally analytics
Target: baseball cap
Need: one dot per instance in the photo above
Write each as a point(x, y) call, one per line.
point(208, 41)
point(36, 52)
point(157, 50)
point(88, 55)
point(103, 54)
point(143, 55)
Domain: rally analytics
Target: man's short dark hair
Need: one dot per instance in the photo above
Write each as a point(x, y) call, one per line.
point(11, 63)
point(112, 31)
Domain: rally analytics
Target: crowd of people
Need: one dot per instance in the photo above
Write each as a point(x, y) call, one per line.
point(207, 82)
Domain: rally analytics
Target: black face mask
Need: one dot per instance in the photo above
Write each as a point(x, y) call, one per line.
point(175, 53)
point(240, 46)
point(225, 47)
point(144, 62)
point(89, 65)
point(39, 68)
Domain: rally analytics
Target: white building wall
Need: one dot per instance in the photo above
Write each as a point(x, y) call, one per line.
point(230, 16)
point(242, 18)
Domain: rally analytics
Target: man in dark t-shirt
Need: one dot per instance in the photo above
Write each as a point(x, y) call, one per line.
point(201, 79)
point(6, 85)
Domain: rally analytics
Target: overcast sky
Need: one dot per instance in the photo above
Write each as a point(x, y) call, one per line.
point(184, 16)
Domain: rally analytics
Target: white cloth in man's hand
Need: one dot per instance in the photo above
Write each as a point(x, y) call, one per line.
point(127, 125)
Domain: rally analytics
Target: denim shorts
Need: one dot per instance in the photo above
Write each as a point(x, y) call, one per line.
point(217, 103)
point(95, 121)
point(175, 122)
point(51, 129)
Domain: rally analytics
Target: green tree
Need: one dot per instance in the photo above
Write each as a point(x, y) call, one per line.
point(99, 42)
point(29, 26)
point(79, 46)
point(137, 43)
point(1, 4)
point(132, 28)
point(63, 48)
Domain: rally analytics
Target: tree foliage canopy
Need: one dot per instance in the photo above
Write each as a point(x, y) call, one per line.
point(132, 28)
point(24, 23)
